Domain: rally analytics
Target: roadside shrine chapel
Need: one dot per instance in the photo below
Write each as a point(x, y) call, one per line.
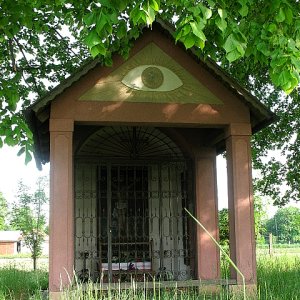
point(131, 147)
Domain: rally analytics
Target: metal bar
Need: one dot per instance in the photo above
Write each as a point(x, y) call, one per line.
point(160, 221)
point(172, 238)
point(109, 231)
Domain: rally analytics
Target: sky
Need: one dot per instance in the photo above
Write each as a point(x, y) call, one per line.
point(13, 169)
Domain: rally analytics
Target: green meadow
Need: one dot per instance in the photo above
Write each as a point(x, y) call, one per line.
point(278, 278)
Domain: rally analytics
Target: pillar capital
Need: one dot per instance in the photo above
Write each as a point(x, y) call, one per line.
point(240, 129)
point(205, 152)
point(61, 125)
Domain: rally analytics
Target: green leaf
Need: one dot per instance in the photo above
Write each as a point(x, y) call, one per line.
point(102, 21)
point(150, 15)
point(221, 23)
point(196, 28)
point(106, 3)
point(98, 49)
point(21, 151)
point(136, 14)
point(108, 61)
point(278, 61)
point(195, 10)
point(288, 15)
point(211, 3)
point(92, 39)
point(186, 30)
point(233, 55)
point(240, 49)
point(113, 17)
point(122, 29)
point(189, 42)
point(1, 143)
point(28, 156)
point(13, 98)
point(10, 141)
point(120, 4)
point(244, 11)
point(280, 17)
point(230, 43)
point(296, 62)
point(272, 28)
point(207, 13)
point(154, 4)
point(89, 19)
point(200, 43)
point(222, 13)
point(262, 47)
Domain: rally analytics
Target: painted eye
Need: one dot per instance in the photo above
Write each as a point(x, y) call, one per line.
point(152, 78)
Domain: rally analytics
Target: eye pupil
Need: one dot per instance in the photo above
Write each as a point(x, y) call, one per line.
point(152, 77)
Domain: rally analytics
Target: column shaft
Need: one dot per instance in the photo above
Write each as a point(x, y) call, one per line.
point(207, 213)
point(240, 204)
point(61, 254)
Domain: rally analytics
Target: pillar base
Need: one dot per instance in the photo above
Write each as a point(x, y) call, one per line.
point(55, 295)
point(238, 290)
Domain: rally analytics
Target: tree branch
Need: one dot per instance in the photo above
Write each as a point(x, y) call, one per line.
point(62, 38)
point(12, 56)
point(28, 64)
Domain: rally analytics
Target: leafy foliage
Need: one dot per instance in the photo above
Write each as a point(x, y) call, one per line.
point(259, 218)
point(42, 42)
point(285, 225)
point(224, 226)
point(275, 148)
point(3, 212)
point(28, 216)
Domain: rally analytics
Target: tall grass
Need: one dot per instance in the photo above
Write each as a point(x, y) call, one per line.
point(278, 279)
point(21, 284)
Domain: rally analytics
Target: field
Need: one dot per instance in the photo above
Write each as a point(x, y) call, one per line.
point(278, 278)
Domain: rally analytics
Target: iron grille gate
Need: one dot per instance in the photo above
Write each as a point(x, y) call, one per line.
point(130, 222)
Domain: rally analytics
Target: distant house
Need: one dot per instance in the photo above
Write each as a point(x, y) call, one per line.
point(10, 242)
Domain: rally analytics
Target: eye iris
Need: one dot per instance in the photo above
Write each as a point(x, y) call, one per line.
point(152, 77)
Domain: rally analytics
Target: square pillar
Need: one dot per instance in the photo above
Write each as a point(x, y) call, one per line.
point(208, 254)
point(61, 252)
point(240, 202)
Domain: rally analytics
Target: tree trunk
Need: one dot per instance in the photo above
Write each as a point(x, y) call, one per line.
point(34, 263)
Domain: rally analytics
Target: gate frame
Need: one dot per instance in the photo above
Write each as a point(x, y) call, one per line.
point(108, 163)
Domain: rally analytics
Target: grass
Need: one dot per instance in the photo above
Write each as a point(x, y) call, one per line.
point(278, 279)
point(22, 284)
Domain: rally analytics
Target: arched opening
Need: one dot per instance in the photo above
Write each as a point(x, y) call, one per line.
point(131, 188)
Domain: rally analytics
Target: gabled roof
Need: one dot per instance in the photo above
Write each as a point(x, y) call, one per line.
point(10, 236)
point(37, 115)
